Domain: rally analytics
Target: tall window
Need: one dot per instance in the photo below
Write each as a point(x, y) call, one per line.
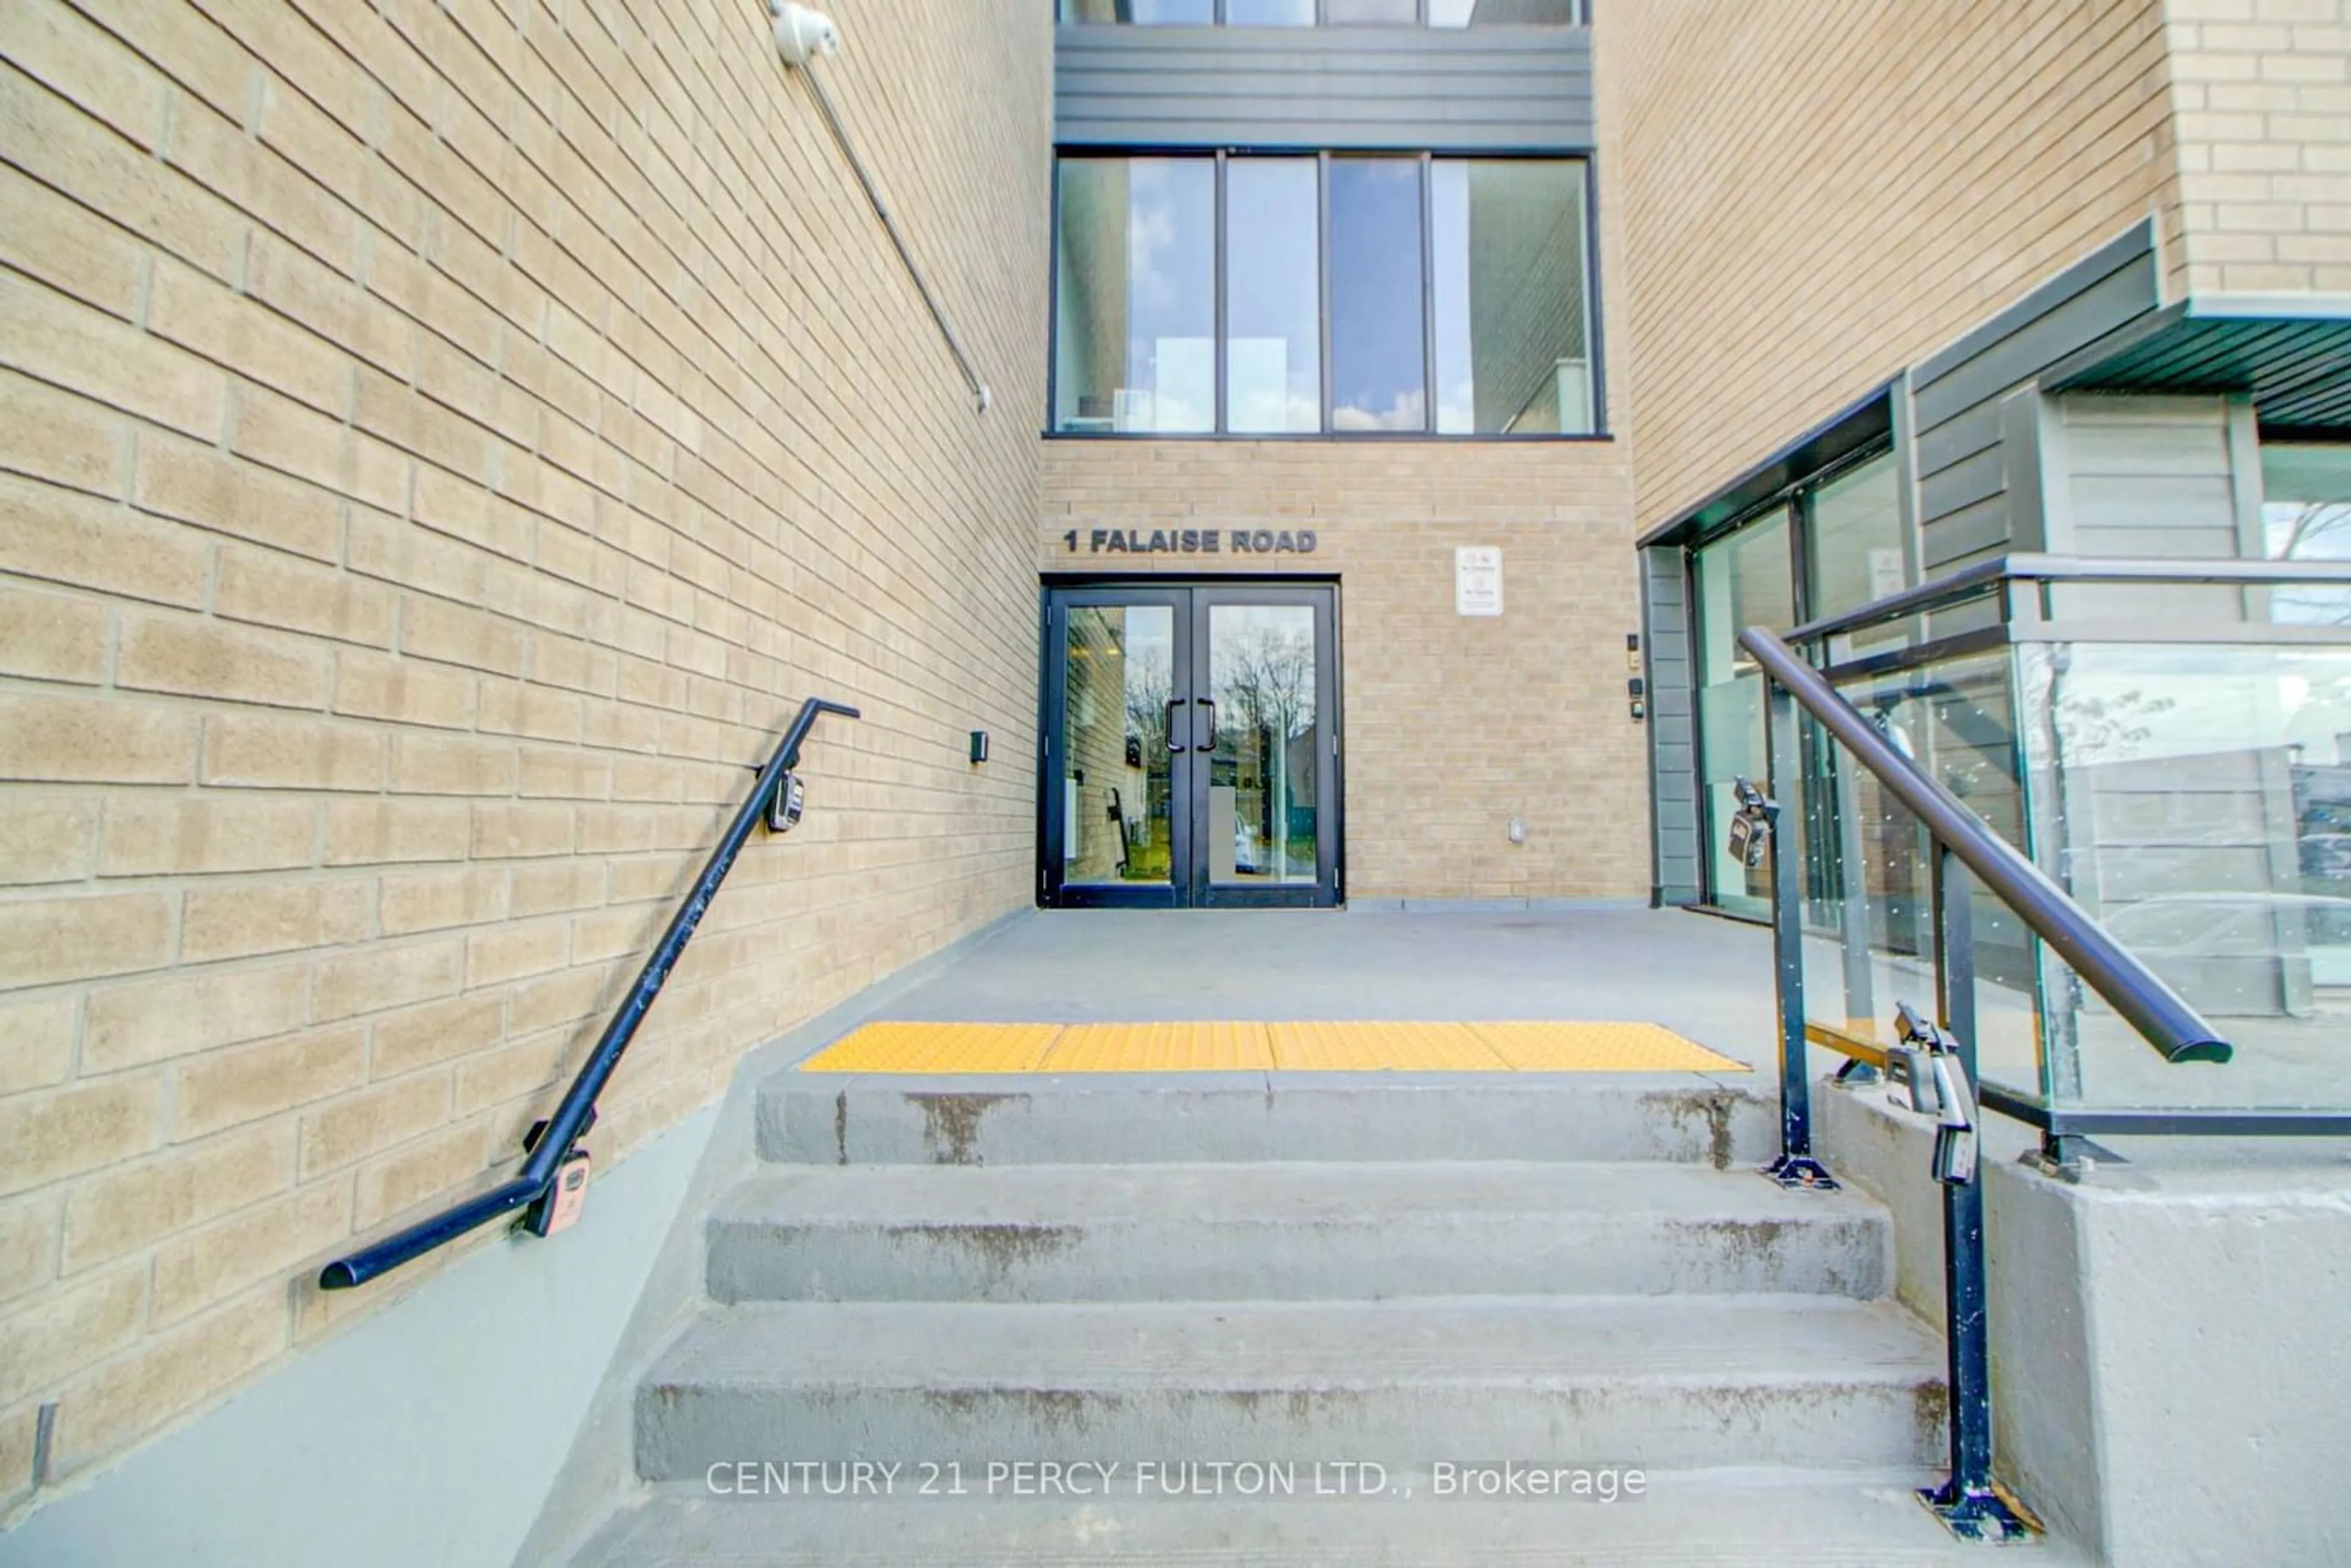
point(1846, 531)
point(1452, 297)
point(1274, 310)
point(2306, 516)
point(1852, 552)
point(1142, 13)
point(1270, 13)
point(1134, 337)
point(1378, 338)
point(1326, 12)
point(1512, 343)
point(2306, 501)
point(1505, 12)
point(1742, 580)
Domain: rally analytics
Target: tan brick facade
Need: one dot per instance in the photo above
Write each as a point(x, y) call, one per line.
point(441, 440)
point(2264, 91)
point(439, 444)
point(1827, 194)
point(1452, 724)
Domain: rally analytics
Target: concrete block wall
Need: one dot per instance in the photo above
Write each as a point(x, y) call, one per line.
point(440, 443)
point(1824, 198)
point(2264, 89)
point(2117, 1318)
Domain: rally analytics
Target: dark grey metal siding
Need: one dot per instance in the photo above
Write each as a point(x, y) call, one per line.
point(1473, 90)
point(1673, 756)
point(1963, 504)
point(2152, 477)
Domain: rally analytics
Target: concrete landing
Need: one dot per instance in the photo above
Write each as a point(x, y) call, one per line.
point(1704, 979)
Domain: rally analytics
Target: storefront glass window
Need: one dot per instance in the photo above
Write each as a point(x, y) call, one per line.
point(1742, 580)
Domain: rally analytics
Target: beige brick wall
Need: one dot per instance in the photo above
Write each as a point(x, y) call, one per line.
point(2264, 89)
point(1451, 725)
point(1825, 194)
point(439, 444)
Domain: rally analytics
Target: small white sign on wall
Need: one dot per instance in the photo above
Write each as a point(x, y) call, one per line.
point(1477, 581)
point(1886, 574)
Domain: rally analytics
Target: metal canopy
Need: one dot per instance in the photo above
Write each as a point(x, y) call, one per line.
point(2292, 352)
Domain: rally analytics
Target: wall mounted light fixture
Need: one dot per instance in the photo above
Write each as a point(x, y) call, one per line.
point(801, 34)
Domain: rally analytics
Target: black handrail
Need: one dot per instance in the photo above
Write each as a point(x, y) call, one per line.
point(2129, 987)
point(554, 1140)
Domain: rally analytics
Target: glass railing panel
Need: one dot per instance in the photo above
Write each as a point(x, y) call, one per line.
point(2196, 799)
point(1869, 864)
point(1867, 896)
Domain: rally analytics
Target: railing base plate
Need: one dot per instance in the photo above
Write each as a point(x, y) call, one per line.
point(1978, 1514)
point(1800, 1171)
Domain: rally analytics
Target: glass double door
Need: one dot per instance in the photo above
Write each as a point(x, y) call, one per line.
point(1191, 754)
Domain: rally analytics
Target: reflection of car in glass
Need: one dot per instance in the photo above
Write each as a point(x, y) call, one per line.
point(1244, 849)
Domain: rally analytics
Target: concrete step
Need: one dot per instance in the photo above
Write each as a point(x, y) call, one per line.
point(1692, 1521)
point(1236, 1231)
point(1666, 1381)
point(1175, 1118)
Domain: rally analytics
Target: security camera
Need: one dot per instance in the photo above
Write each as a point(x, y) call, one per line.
point(801, 34)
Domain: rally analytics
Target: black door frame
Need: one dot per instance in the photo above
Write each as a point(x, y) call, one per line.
point(1052, 891)
point(1189, 886)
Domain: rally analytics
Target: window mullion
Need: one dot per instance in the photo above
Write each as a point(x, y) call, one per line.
point(1323, 277)
point(1799, 552)
point(1218, 239)
point(1054, 305)
point(1595, 370)
point(1428, 295)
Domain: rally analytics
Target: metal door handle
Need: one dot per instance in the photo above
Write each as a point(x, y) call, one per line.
point(1168, 719)
point(1209, 744)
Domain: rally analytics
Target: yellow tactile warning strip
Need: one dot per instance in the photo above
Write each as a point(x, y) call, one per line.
point(937, 1047)
point(1600, 1048)
point(1160, 1048)
point(1225, 1047)
point(1381, 1047)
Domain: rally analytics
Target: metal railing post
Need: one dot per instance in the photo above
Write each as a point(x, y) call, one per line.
point(1784, 771)
point(1966, 1502)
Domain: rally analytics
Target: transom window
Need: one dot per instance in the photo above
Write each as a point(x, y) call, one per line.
point(1332, 294)
point(1326, 12)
